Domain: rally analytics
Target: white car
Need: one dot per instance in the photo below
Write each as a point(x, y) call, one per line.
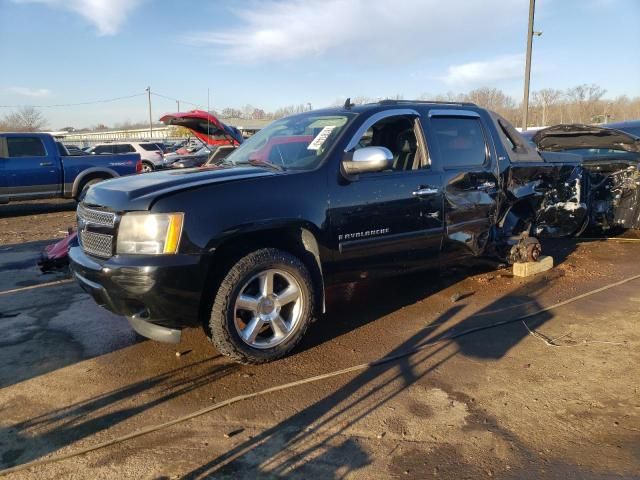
point(150, 153)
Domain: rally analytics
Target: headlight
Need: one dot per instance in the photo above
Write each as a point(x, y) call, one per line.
point(149, 233)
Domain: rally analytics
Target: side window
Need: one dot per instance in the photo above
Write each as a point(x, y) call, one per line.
point(25, 147)
point(102, 149)
point(124, 148)
point(398, 134)
point(460, 141)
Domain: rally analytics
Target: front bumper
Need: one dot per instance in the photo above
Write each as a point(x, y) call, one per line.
point(160, 295)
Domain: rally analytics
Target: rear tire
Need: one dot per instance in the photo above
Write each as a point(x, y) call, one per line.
point(263, 307)
point(147, 167)
point(85, 188)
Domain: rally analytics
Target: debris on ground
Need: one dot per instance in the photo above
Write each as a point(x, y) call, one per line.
point(233, 433)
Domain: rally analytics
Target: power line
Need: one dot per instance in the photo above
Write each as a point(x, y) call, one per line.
point(176, 99)
point(93, 102)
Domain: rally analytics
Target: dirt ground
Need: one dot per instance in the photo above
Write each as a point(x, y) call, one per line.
point(557, 398)
point(37, 220)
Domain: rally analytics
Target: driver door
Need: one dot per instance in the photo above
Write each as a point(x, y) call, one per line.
point(384, 222)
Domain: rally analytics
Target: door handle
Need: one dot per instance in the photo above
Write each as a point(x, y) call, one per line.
point(46, 164)
point(425, 191)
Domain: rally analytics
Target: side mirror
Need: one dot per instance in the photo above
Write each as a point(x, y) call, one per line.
point(368, 160)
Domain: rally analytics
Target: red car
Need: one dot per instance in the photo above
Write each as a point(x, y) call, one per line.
point(205, 126)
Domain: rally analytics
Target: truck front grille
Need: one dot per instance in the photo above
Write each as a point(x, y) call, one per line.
point(96, 230)
point(97, 244)
point(96, 217)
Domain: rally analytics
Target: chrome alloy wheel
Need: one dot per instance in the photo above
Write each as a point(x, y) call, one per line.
point(268, 308)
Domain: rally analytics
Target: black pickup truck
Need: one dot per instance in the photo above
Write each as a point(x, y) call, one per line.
point(245, 248)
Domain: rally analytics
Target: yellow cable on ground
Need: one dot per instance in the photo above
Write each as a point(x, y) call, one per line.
point(316, 378)
point(39, 285)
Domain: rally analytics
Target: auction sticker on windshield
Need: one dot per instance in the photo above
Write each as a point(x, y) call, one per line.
point(321, 137)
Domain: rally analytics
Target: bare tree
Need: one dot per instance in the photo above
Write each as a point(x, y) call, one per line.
point(584, 101)
point(25, 119)
point(545, 99)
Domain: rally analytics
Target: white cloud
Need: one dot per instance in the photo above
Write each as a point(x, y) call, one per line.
point(107, 15)
point(362, 31)
point(505, 67)
point(28, 92)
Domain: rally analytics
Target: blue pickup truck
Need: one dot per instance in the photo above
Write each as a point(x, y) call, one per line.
point(34, 165)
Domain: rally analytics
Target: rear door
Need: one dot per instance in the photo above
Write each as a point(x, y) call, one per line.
point(124, 148)
point(386, 221)
point(462, 150)
point(30, 169)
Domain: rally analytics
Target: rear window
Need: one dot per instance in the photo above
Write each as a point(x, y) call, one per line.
point(460, 141)
point(25, 147)
point(150, 147)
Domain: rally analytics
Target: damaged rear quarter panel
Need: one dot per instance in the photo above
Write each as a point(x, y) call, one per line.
point(547, 198)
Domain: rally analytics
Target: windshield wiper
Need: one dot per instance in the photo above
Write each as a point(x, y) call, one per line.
point(261, 163)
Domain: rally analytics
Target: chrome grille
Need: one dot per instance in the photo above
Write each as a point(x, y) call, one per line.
point(97, 244)
point(96, 217)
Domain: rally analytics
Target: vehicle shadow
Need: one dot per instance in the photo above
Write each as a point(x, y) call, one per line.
point(350, 306)
point(23, 209)
point(311, 443)
point(43, 434)
point(301, 446)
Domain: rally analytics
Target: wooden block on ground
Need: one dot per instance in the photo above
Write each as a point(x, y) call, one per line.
point(527, 269)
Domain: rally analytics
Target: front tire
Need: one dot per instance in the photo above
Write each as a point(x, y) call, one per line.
point(263, 307)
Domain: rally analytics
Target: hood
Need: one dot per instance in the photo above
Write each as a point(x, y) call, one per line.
point(139, 192)
point(205, 126)
point(571, 137)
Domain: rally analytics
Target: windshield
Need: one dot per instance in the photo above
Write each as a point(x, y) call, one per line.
point(299, 142)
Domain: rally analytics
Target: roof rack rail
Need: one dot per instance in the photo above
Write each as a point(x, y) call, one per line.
point(437, 102)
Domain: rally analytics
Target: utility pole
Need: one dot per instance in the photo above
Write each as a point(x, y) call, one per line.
point(178, 102)
point(527, 72)
point(148, 90)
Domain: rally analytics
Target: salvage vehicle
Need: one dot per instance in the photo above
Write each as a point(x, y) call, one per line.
point(629, 126)
point(610, 159)
point(194, 159)
point(245, 248)
point(34, 165)
point(208, 128)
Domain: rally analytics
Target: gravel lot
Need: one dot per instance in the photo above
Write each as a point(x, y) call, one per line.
point(500, 403)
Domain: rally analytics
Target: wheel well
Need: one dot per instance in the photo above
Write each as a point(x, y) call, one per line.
point(88, 178)
point(518, 219)
point(294, 240)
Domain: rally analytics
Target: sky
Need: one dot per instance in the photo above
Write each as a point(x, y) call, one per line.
point(273, 53)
